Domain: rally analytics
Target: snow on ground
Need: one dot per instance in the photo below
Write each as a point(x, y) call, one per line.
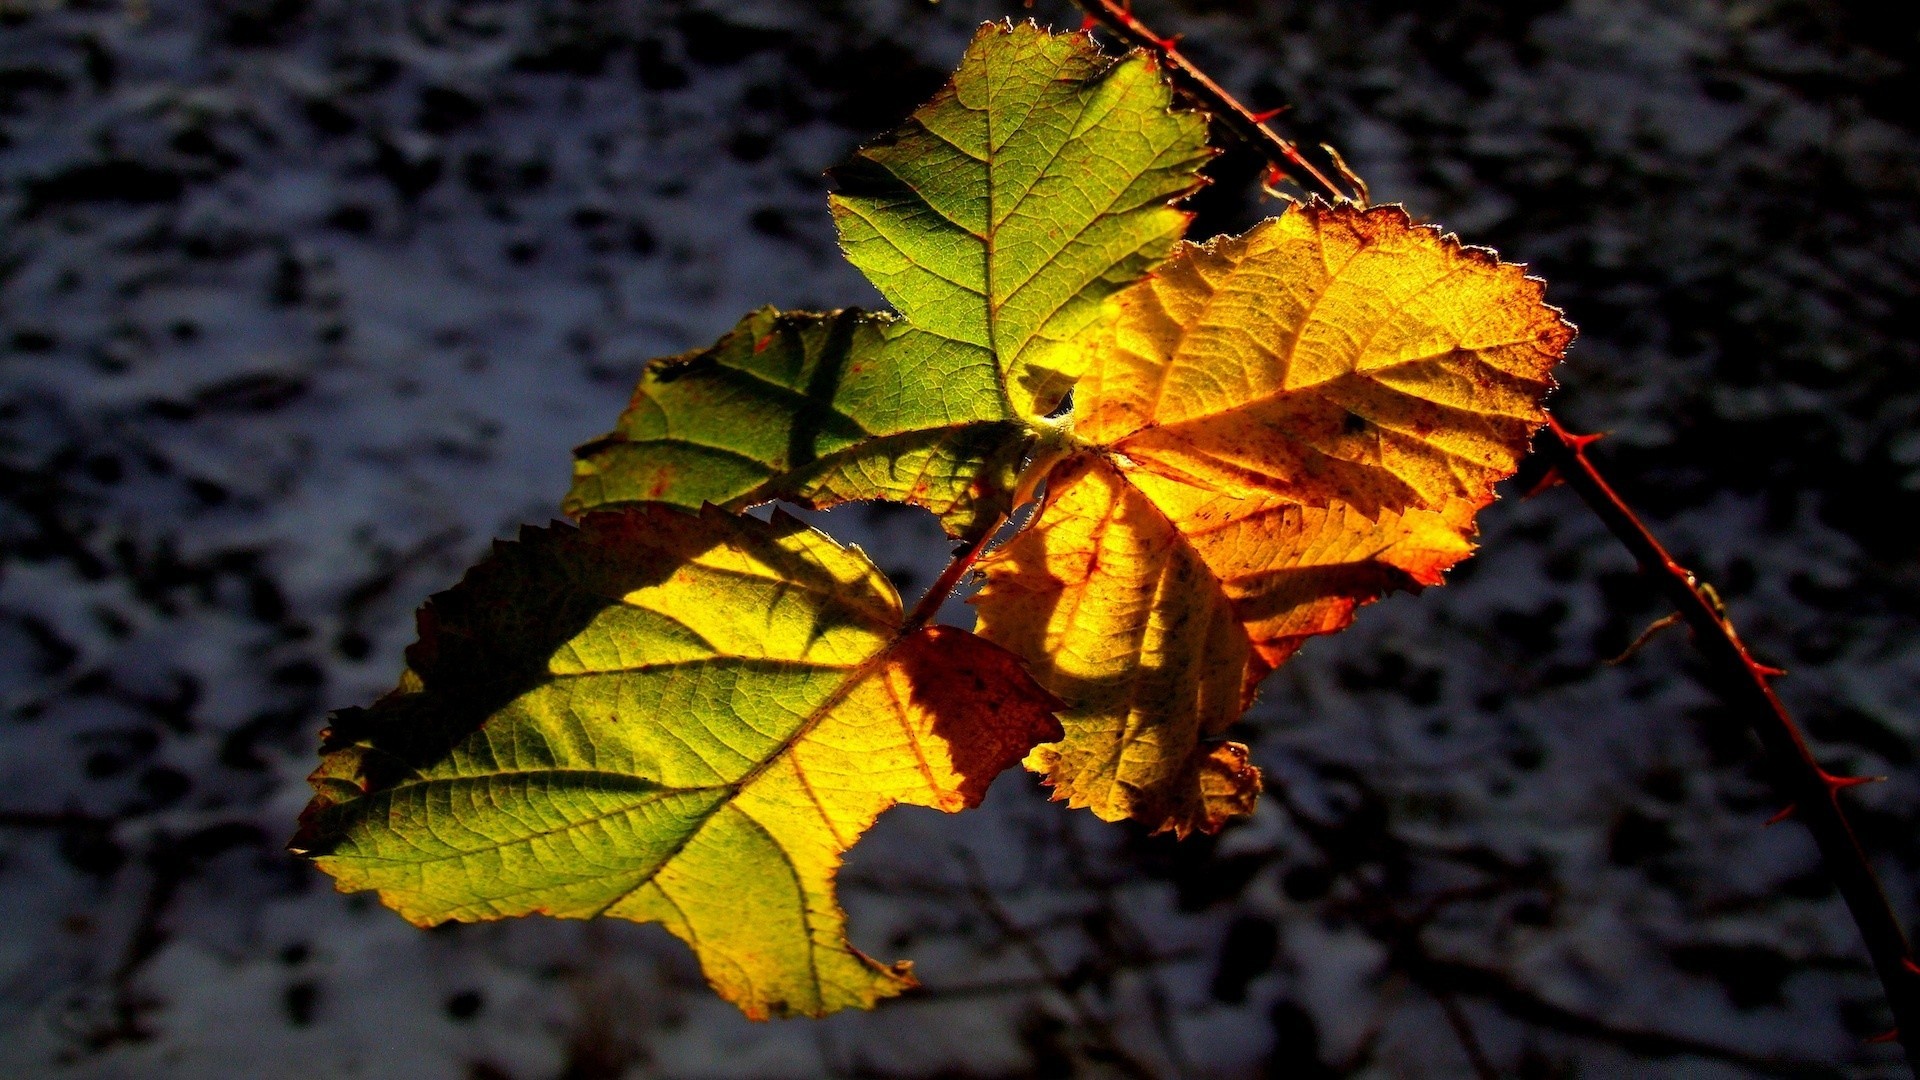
point(303, 302)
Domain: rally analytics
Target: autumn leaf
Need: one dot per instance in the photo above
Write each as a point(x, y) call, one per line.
point(1037, 183)
point(814, 409)
point(667, 718)
point(1272, 430)
point(1034, 185)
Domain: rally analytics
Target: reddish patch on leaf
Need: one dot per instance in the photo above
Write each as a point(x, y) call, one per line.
point(984, 704)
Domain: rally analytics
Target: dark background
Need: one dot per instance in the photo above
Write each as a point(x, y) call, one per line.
point(303, 301)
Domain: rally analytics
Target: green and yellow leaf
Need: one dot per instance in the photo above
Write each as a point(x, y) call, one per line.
point(813, 409)
point(1275, 429)
point(1033, 186)
point(1037, 183)
point(667, 718)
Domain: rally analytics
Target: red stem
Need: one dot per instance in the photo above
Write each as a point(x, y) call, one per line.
point(943, 586)
point(1746, 685)
point(1744, 682)
point(1117, 16)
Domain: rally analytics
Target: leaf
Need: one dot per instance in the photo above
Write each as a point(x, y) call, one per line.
point(1033, 186)
point(814, 409)
point(1273, 430)
point(668, 718)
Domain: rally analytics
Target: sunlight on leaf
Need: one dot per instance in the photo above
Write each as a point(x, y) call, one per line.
point(1036, 183)
point(1032, 187)
point(667, 718)
point(689, 718)
point(1274, 430)
point(814, 409)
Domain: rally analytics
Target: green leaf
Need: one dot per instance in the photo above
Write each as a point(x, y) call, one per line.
point(1033, 186)
point(1037, 183)
point(667, 718)
point(814, 409)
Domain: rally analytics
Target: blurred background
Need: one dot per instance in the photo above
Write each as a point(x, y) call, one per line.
point(303, 302)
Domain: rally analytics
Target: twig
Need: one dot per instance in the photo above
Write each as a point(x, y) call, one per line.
point(1530, 1006)
point(1812, 791)
point(1457, 1019)
point(1284, 154)
point(1746, 685)
point(1121, 1059)
point(1445, 979)
point(1130, 939)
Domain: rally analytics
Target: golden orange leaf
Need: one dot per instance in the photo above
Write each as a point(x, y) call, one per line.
point(1273, 430)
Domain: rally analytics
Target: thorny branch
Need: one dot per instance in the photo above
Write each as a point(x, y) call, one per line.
point(1743, 681)
point(1813, 793)
point(1117, 16)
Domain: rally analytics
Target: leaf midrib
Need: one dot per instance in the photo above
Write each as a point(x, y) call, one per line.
point(734, 789)
point(1225, 415)
point(730, 792)
point(654, 794)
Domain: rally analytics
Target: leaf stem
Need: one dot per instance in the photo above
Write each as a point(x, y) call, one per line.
point(1744, 682)
point(949, 579)
point(1284, 154)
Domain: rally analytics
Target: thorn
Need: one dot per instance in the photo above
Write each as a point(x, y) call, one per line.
point(1767, 671)
point(1267, 114)
point(1886, 1036)
point(1088, 24)
point(1548, 481)
point(1659, 624)
point(1838, 784)
point(1168, 45)
point(1273, 182)
point(1911, 967)
point(1581, 442)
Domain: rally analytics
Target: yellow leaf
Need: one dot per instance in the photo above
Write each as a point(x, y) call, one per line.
point(1274, 430)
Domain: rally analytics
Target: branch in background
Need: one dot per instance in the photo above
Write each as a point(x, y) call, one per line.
point(1530, 1006)
point(1743, 681)
point(1457, 1019)
point(40, 819)
point(1116, 1052)
point(1378, 912)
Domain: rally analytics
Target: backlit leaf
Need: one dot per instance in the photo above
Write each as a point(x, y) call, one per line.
point(1034, 185)
point(814, 409)
point(1274, 430)
point(673, 718)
